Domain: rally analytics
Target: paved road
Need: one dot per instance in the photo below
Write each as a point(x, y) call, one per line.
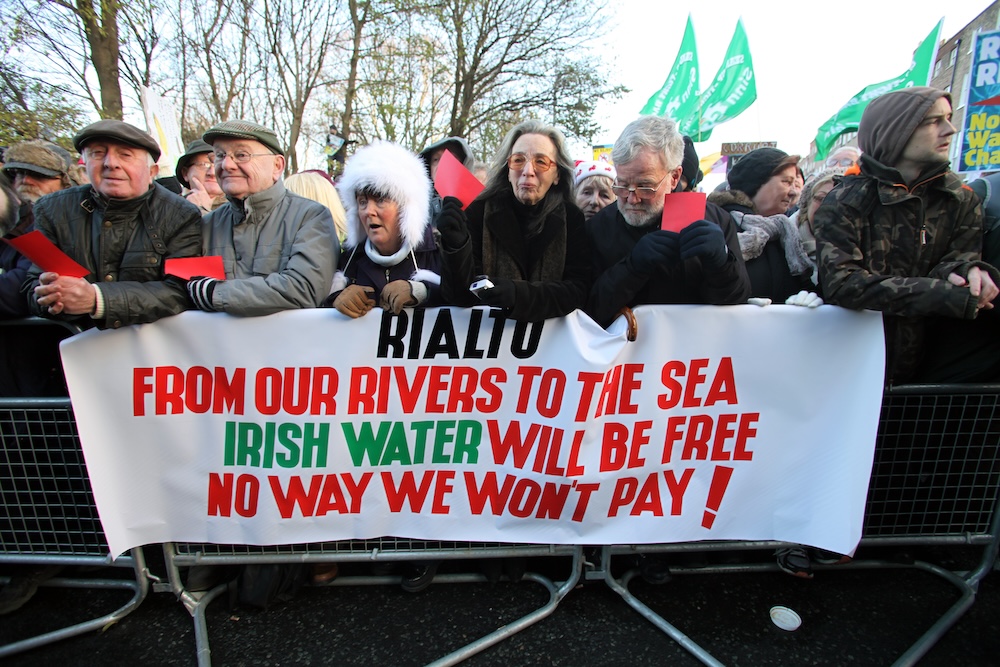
point(849, 618)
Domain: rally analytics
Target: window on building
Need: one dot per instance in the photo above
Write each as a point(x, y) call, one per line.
point(937, 68)
point(953, 57)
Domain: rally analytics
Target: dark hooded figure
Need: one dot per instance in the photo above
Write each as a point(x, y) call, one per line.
point(905, 237)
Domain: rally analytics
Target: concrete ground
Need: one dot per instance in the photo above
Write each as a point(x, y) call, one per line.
point(849, 617)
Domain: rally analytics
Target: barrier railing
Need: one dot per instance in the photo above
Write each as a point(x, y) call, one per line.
point(935, 480)
point(385, 549)
point(49, 516)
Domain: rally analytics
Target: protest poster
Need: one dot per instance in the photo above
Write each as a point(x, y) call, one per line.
point(732, 422)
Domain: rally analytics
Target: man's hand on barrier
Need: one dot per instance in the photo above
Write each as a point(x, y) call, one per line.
point(980, 285)
point(655, 249)
point(805, 299)
point(65, 294)
point(201, 290)
point(705, 240)
point(397, 295)
point(355, 300)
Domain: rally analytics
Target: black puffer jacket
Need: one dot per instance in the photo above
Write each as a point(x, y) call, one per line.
point(124, 245)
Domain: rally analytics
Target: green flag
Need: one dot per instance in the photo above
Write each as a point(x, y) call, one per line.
point(679, 94)
point(730, 94)
point(847, 119)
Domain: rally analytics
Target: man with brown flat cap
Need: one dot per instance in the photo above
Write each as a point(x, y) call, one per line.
point(279, 250)
point(121, 228)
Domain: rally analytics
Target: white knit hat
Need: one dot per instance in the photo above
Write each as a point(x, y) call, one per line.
point(601, 168)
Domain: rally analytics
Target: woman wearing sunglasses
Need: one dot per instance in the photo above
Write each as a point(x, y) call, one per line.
point(524, 232)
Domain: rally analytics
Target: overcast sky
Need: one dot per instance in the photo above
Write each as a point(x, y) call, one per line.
point(809, 58)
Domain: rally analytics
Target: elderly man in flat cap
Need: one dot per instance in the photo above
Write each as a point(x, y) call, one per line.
point(195, 171)
point(121, 228)
point(279, 250)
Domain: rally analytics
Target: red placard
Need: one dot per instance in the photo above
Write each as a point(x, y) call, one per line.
point(680, 209)
point(46, 255)
point(190, 267)
point(452, 179)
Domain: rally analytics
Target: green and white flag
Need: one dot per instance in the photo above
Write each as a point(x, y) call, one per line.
point(731, 93)
point(679, 95)
point(849, 116)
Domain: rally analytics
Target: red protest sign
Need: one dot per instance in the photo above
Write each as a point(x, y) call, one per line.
point(46, 255)
point(452, 179)
point(186, 268)
point(680, 209)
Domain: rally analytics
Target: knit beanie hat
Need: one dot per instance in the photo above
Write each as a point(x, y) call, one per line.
point(586, 169)
point(757, 167)
point(690, 165)
point(889, 121)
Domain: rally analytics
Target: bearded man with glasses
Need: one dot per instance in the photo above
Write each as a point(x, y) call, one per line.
point(634, 261)
point(279, 250)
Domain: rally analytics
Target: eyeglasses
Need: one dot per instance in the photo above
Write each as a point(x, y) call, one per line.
point(240, 157)
point(207, 165)
point(644, 193)
point(539, 162)
point(842, 162)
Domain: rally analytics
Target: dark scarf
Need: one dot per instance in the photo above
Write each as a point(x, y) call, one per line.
point(542, 226)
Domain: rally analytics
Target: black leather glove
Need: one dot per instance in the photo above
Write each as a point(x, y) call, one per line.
point(201, 290)
point(705, 239)
point(451, 224)
point(655, 249)
point(501, 294)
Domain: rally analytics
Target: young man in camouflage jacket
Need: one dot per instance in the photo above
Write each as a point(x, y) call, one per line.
point(904, 236)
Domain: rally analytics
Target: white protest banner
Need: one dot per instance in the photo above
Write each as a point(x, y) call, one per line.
point(732, 422)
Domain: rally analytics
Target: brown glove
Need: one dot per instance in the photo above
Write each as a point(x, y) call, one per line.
point(355, 300)
point(397, 295)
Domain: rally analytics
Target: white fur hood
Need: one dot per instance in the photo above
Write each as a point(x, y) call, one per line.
point(390, 169)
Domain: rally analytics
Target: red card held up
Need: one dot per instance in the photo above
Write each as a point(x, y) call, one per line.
point(452, 179)
point(680, 209)
point(187, 268)
point(46, 255)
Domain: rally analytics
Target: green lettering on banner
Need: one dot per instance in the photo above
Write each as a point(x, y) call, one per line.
point(257, 446)
point(453, 442)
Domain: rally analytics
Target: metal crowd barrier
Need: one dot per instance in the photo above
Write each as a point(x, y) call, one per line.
point(381, 550)
point(935, 481)
point(48, 514)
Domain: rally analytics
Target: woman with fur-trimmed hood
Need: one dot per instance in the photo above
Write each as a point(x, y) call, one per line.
point(390, 257)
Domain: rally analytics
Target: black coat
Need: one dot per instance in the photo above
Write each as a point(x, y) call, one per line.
point(535, 300)
point(618, 284)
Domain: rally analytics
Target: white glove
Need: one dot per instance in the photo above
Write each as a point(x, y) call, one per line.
point(804, 298)
point(759, 301)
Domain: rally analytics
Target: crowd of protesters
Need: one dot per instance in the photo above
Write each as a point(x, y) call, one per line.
point(889, 228)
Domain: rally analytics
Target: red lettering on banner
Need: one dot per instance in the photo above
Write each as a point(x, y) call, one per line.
point(546, 442)
point(290, 390)
point(430, 389)
point(407, 491)
point(198, 390)
point(648, 498)
point(528, 375)
point(324, 495)
point(226, 493)
point(705, 438)
point(522, 497)
point(488, 492)
point(443, 485)
point(721, 390)
point(616, 393)
point(616, 452)
point(590, 382)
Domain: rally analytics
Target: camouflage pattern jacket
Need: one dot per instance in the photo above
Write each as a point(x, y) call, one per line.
point(884, 246)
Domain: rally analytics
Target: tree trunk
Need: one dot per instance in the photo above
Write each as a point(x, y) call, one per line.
point(102, 36)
